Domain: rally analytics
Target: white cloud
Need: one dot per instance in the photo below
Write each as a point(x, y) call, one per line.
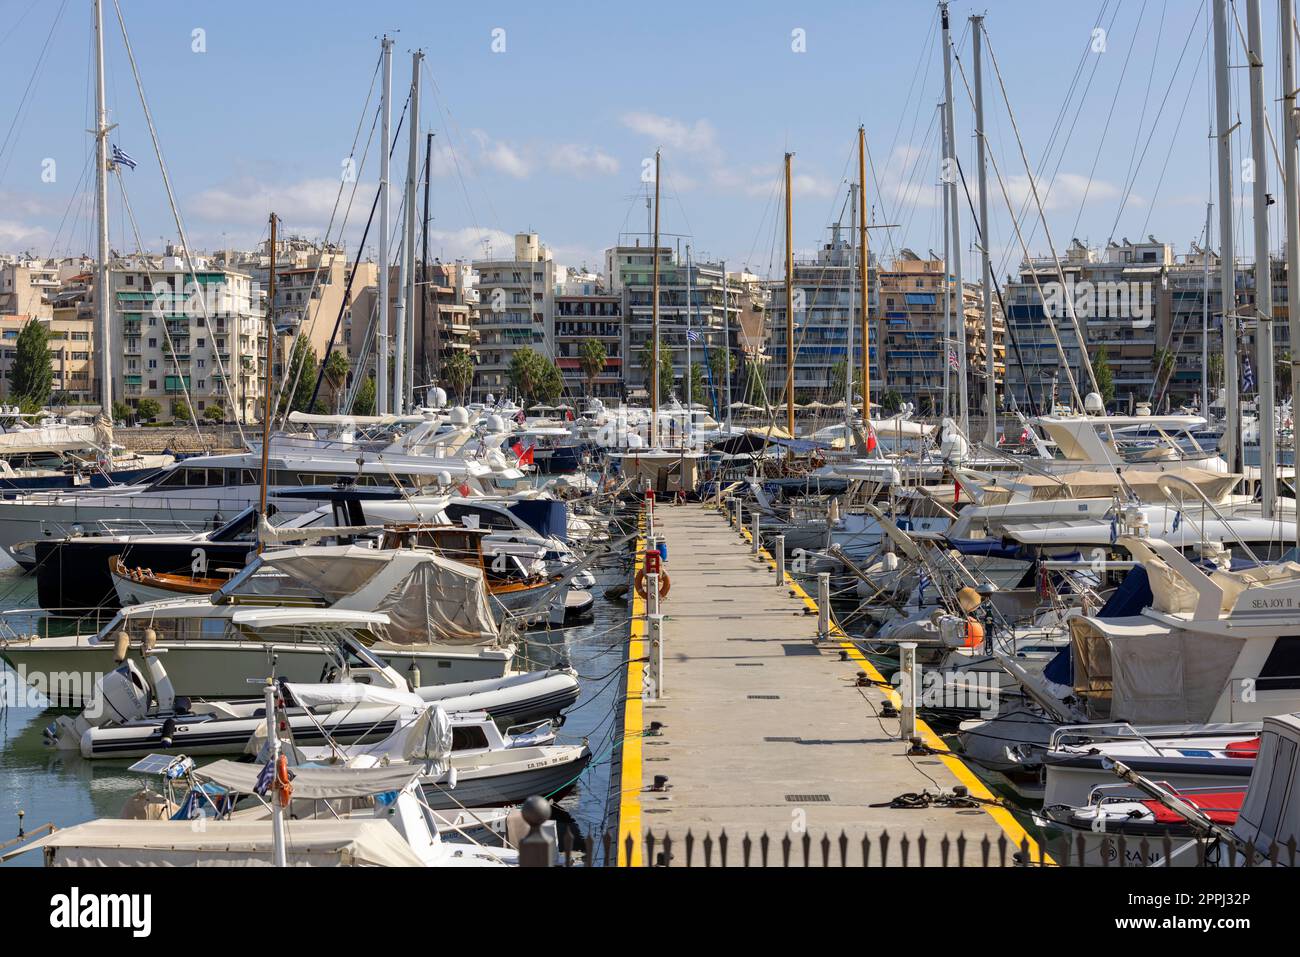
point(504, 158)
point(698, 139)
point(581, 160)
point(304, 205)
point(17, 236)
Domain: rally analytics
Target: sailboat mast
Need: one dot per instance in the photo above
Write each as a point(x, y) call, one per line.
point(403, 364)
point(789, 305)
point(1286, 31)
point(266, 414)
point(690, 307)
point(864, 289)
point(944, 285)
point(726, 343)
point(1263, 265)
point(103, 334)
point(950, 178)
point(1205, 323)
point(381, 336)
point(990, 360)
point(849, 370)
point(654, 320)
point(1230, 446)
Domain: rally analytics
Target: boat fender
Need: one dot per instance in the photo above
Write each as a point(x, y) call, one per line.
point(150, 641)
point(168, 732)
point(120, 646)
point(665, 583)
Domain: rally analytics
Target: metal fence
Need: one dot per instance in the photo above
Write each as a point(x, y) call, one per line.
point(885, 850)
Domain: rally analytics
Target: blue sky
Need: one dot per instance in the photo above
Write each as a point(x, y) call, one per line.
point(550, 133)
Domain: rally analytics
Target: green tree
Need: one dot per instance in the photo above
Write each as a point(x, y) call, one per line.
point(301, 378)
point(215, 411)
point(839, 378)
point(891, 401)
point(181, 410)
point(458, 372)
point(753, 389)
point(1105, 378)
point(591, 358)
point(665, 369)
point(1216, 372)
point(720, 365)
point(122, 412)
point(535, 376)
point(1165, 362)
point(336, 373)
point(148, 409)
point(33, 377)
point(364, 403)
point(699, 382)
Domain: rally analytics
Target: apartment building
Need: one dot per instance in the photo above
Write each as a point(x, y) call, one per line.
point(200, 342)
point(515, 310)
point(583, 310)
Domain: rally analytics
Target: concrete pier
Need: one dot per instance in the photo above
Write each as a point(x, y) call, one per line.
point(765, 729)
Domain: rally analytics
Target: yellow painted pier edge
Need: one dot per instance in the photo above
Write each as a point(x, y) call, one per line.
point(630, 773)
point(977, 788)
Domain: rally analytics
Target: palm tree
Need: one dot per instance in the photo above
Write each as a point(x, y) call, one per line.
point(591, 357)
point(458, 371)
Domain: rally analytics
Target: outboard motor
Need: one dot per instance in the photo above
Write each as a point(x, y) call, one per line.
point(121, 695)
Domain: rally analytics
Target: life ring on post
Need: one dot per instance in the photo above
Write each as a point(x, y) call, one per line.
point(665, 583)
point(283, 783)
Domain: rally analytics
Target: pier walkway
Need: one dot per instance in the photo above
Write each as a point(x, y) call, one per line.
point(764, 728)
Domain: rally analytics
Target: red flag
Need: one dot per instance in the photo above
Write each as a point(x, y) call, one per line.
point(518, 449)
point(956, 490)
point(568, 415)
point(871, 439)
point(524, 455)
point(463, 488)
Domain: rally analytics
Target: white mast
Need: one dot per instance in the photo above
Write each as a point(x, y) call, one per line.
point(1286, 30)
point(385, 144)
point(950, 178)
point(690, 308)
point(1205, 323)
point(1230, 446)
point(990, 362)
point(103, 334)
point(947, 265)
point(726, 343)
point(402, 357)
point(1263, 266)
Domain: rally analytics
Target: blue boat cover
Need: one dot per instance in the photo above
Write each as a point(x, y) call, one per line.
point(547, 517)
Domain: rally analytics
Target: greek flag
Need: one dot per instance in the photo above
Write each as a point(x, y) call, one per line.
point(1247, 375)
point(122, 159)
point(692, 335)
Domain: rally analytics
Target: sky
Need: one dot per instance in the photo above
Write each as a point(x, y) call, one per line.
point(545, 115)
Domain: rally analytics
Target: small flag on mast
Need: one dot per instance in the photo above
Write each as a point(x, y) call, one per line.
point(692, 335)
point(121, 158)
point(952, 358)
point(1247, 375)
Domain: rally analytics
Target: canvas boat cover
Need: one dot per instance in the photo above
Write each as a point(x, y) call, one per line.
point(1154, 674)
point(1100, 483)
point(349, 693)
point(323, 843)
point(312, 782)
point(53, 438)
point(428, 598)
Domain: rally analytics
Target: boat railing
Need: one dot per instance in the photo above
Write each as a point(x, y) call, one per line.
point(25, 624)
point(1101, 793)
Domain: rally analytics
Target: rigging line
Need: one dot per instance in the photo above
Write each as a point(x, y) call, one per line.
point(166, 324)
point(925, 56)
point(448, 124)
point(1173, 139)
point(17, 122)
point(997, 171)
point(315, 280)
point(1131, 182)
point(176, 216)
point(77, 195)
point(1078, 113)
point(1130, 174)
point(1033, 185)
point(1105, 129)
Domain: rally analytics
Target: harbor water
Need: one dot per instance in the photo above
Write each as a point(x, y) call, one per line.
point(63, 788)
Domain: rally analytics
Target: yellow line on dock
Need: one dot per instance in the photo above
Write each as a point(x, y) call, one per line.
point(977, 788)
point(630, 773)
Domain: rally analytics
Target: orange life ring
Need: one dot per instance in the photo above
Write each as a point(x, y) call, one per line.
point(974, 633)
point(665, 583)
point(283, 786)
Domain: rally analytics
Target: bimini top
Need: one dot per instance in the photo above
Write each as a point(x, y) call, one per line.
point(287, 617)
